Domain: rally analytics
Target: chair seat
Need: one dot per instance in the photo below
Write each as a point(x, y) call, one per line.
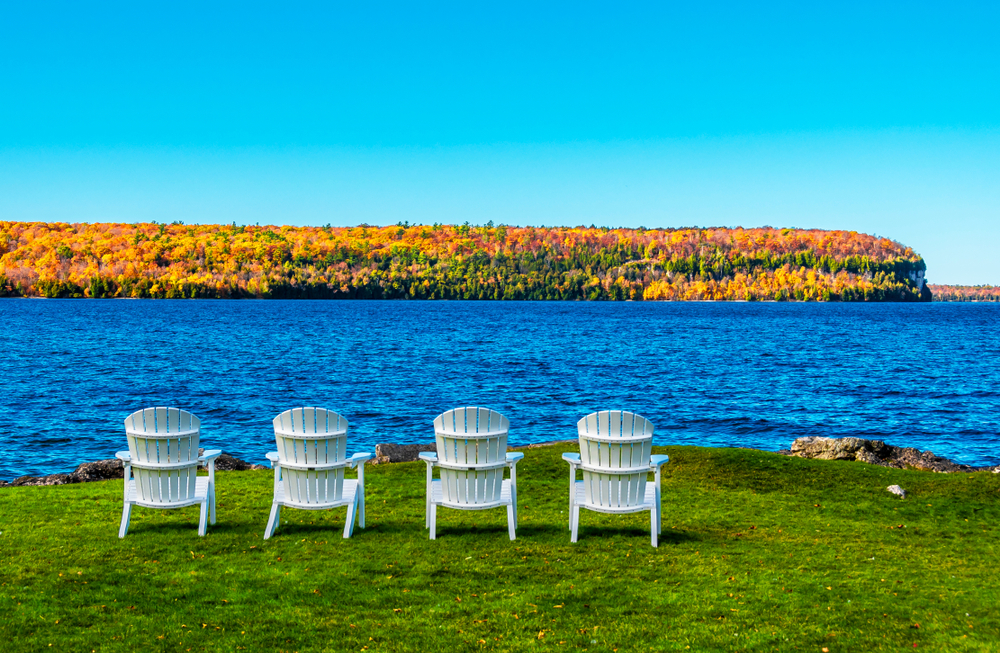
point(437, 497)
point(200, 495)
point(350, 489)
point(649, 500)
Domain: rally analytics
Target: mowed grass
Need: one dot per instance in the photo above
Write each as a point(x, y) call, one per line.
point(759, 553)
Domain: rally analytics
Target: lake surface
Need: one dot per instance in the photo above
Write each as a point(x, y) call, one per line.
point(715, 374)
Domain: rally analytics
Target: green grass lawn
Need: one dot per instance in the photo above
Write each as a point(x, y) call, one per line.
point(759, 552)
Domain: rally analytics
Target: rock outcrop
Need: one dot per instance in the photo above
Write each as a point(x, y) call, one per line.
point(876, 452)
point(227, 463)
point(103, 470)
point(388, 452)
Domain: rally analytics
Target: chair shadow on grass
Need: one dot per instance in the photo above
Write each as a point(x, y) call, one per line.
point(667, 536)
point(328, 529)
point(141, 526)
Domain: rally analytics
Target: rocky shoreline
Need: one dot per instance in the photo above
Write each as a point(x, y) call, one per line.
point(873, 452)
point(112, 468)
point(877, 452)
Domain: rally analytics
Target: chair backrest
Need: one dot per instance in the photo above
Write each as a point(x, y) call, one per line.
point(312, 449)
point(472, 454)
point(163, 443)
point(614, 455)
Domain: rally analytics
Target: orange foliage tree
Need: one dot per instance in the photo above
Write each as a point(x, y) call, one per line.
point(453, 262)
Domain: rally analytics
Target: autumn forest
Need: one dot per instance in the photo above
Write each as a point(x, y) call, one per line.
point(453, 262)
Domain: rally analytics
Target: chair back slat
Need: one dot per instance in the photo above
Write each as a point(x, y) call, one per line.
point(613, 444)
point(312, 437)
point(163, 437)
point(474, 437)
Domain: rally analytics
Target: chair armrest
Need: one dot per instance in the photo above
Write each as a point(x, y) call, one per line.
point(273, 457)
point(207, 459)
point(513, 457)
point(657, 460)
point(124, 456)
point(428, 456)
point(571, 458)
point(360, 457)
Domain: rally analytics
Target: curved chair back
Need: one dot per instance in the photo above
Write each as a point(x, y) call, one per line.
point(312, 446)
point(472, 454)
point(614, 455)
point(163, 444)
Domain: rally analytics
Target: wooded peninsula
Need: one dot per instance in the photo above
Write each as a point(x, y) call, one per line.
point(404, 261)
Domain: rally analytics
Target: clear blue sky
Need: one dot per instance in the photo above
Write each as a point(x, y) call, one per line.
point(883, 118)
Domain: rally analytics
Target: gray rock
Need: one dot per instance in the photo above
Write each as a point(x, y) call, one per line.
point(551, 444)
point(52, 479)
point(875, 452)
point(837, 448)
point(227, 463)
point(388, 452)
point(898, 491)
point(112, 468)
point(100, 470)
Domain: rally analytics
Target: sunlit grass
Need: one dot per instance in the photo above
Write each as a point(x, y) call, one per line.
point(759, 552)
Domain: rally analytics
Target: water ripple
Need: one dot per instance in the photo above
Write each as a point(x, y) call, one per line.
point(726, 374)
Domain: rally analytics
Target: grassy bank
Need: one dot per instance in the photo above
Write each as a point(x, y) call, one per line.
point(759, 552)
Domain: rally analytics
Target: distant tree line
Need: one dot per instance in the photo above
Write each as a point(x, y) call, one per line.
point(488, 262)
point(965, 293)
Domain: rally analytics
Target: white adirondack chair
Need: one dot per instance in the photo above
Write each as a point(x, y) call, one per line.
point(161, 464)
point(615, 460)
point(471, 456)
point(309, 466)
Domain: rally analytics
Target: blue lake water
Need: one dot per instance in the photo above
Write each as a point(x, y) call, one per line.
point(716, 374)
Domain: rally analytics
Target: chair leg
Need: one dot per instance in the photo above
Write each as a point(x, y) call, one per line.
point(361, 506)
point(572, 500)
point(126, 517)
point(511, 521)
point(211, 505)
point(572, 494)
point(272, 521)
point(575, 519)
point(513, 502)
point(203, 520)
point(659, 512)
point(432, 521)
point(352, 510)
point(653, 522)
